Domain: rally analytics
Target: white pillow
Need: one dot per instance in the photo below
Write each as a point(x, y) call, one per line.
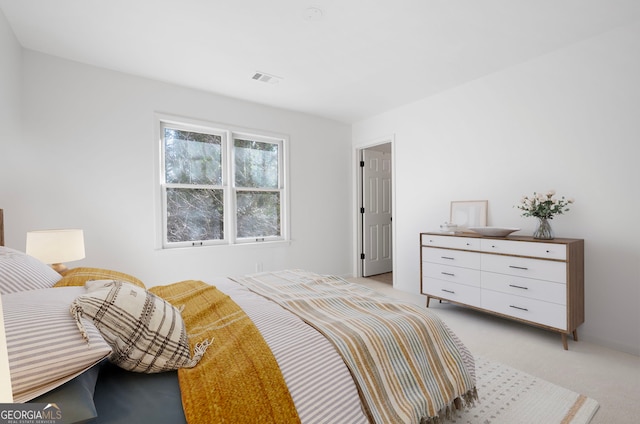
point(20, 272)
point(147, 334)
point(44, 345)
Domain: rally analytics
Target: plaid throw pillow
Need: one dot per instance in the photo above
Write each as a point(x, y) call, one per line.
point(147, 334)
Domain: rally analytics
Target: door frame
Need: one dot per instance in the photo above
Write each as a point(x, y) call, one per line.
point(357, 196)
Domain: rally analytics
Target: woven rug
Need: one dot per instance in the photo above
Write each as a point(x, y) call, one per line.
point(510, 396)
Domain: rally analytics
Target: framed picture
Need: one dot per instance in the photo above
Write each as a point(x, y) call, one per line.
point(469, 213)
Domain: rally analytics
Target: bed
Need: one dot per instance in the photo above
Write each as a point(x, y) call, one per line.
point(285, 346)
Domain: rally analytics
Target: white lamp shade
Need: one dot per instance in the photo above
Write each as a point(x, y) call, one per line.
point(56, 246)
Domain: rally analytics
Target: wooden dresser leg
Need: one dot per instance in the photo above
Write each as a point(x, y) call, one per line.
point(575, 334)
point(428, 299)
point(564, 341)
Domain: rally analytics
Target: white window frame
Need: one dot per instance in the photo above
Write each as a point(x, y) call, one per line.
point(228, 134)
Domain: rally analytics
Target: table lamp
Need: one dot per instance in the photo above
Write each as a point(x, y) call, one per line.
point(56, 246)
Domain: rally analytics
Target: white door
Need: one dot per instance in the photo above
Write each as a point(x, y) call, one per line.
point(376, 212)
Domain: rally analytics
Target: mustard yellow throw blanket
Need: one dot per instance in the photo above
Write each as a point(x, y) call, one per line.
point(238, 379)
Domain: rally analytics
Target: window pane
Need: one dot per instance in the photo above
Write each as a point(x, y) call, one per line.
point(258, 214)
point(256, 164)
point(194, 214)
point(192, 158)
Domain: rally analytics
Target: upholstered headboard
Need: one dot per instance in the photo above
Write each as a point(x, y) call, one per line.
point(1, 229)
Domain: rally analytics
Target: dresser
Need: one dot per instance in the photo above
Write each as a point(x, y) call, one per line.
point(538, 282)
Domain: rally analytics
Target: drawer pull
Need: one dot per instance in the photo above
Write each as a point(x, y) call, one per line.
point(450, 274)
point(519, 287)
point(447, 257)
point(448, 291)
point(518, 307)
point(518, 267)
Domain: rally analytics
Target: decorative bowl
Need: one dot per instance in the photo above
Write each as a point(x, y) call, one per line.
point(493, 231)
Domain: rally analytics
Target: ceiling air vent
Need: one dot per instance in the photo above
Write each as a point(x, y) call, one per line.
point(262, 77)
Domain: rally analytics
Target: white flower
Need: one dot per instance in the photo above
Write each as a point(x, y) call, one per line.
point(544, 205)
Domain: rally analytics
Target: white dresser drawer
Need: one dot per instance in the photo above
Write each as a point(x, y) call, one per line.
point(451, 257)
point(525, 267)
point(451, 291)
point(526, 287)
point(545, 313)
point(468, 276)
point(525, 248)
point(453, 242)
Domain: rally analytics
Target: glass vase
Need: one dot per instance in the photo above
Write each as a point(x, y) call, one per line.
point(543, 231)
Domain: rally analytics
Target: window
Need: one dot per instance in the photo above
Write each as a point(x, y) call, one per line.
point(221, 186)
point(256, 180)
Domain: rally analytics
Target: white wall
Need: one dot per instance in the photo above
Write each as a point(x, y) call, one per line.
point(10, 91)
point(568, 121)
point(10, 83)
point(86, 160)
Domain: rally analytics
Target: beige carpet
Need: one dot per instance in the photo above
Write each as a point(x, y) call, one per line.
point(510, 396)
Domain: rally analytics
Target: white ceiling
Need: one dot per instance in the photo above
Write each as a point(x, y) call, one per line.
point(362, 57)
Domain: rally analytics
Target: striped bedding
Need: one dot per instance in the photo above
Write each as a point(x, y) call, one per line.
point(408, 366)
point(321, 385)
point(44, 347)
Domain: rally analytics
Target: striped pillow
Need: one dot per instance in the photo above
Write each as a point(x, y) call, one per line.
point(147, 333)
point(20, 272)
point(44, 345)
